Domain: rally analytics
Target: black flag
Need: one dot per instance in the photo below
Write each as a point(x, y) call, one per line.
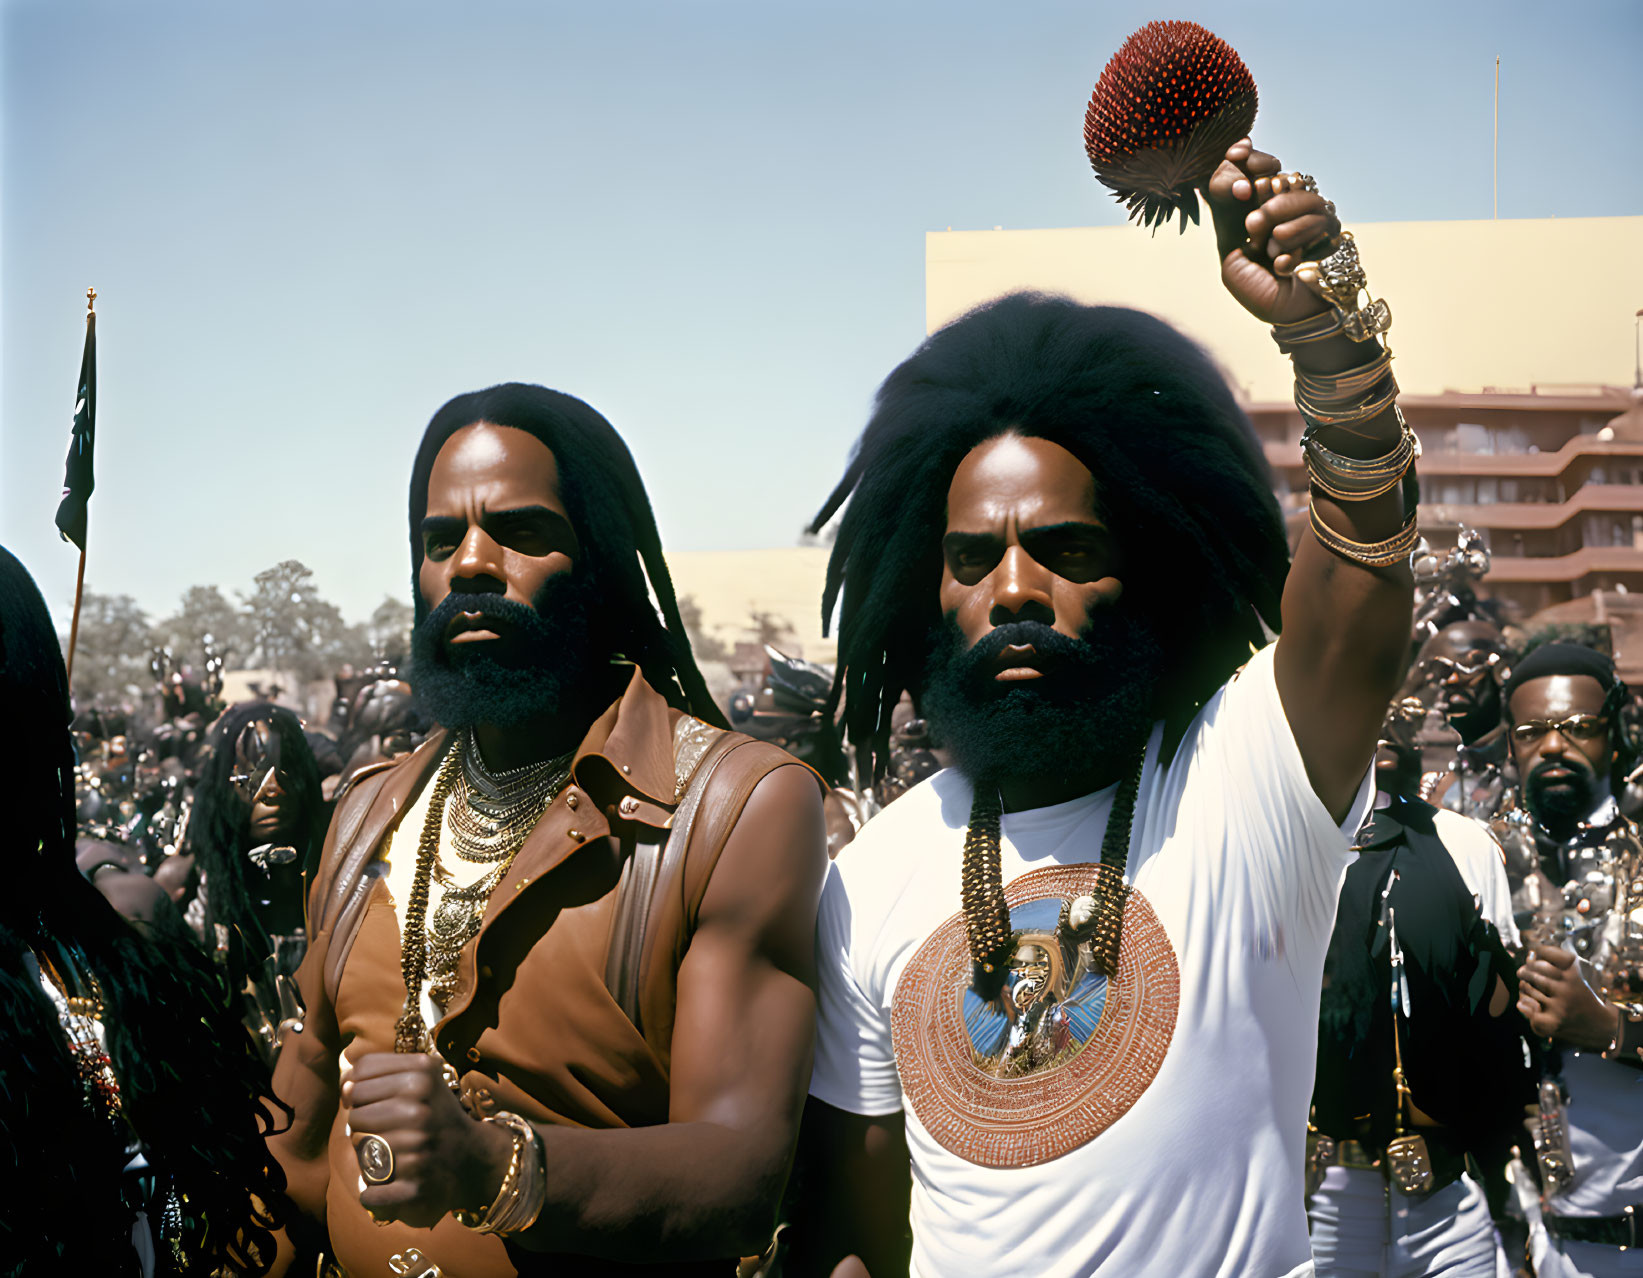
point(77, 477)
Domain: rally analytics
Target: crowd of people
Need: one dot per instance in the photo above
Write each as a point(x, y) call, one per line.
point(1145, 891)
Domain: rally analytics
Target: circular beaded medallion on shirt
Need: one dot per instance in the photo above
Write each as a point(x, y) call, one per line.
point(1060, 1054)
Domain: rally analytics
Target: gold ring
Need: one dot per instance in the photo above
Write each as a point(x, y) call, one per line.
point(376, 1160)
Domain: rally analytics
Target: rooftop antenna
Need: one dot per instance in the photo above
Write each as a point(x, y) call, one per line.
point(1496, 183)
point(1637, 341)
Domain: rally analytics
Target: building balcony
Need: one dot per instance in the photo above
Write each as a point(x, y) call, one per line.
point(1550, 465)
point(1615, 560)
point(1538, 516)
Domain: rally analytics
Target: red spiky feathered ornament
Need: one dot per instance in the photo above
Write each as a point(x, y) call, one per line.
point(1163, 113)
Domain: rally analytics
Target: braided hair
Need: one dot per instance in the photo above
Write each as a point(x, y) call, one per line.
point(611, 513)
point(1182, 482)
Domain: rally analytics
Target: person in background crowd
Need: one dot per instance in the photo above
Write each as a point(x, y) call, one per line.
point(255, 834)
point(1457, 673)
point(1581, 986)
point(1418, 1041)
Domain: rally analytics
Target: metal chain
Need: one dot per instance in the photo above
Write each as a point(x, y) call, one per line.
point(411, 1031)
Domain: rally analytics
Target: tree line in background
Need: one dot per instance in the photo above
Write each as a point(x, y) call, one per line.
point(282, 623)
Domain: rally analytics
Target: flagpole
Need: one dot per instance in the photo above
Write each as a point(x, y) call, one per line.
point(80, 575)
point(74, 626)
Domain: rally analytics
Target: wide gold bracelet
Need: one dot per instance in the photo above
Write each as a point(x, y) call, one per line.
point(1359, 479)
point(1371, 554)
point(520, 1198)
point(505, 1193)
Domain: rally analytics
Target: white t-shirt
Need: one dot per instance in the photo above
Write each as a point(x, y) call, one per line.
point(1154, 1124)
point(1478, 858)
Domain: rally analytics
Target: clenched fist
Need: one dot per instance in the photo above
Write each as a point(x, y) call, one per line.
point(443, 1158)
point(1266, 224)
point(1557, 1003)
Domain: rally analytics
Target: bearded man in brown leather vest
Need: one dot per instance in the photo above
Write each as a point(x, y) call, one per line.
point(607, 1038)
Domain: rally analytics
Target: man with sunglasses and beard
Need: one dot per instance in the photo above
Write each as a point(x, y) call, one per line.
point(1581, 986)
point(559, 992)
point(1061, 537)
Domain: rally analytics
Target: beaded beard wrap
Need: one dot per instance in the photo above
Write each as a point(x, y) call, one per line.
point(492, 816)
point(987, 913)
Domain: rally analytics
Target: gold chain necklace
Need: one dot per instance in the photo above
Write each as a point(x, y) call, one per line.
point(492, 809)
point(433, 948)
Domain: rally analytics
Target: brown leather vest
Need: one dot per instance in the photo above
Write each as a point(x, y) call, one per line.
point(537, 1021)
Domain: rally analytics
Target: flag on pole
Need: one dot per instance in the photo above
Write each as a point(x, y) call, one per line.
point(77, 477)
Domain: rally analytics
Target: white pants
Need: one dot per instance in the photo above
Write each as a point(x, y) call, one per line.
point(1362, 1227)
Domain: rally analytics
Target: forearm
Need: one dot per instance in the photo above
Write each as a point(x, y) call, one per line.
point(306, 1079)
point(687, 1191)
point(1346, 616)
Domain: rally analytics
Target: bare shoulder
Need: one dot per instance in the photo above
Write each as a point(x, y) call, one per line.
point(767, 879)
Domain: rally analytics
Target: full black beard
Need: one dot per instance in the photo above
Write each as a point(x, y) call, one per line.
point(549, 664)
point(1558, 806)
point(1093, 704)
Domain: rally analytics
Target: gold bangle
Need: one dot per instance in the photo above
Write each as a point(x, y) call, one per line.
point(1314, 328)
point(507, 1192)
point(1359, 479)
point(1352, 383)
point(530, 1189)
point(1341, 415)
point(1370, 554)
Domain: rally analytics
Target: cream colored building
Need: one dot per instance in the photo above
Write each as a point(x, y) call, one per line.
point(1493, 305)
point(730, 586)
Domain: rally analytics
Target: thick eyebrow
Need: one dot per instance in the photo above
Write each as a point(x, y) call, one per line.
point(433, 524)
point(954, 542)
point(1071, 528)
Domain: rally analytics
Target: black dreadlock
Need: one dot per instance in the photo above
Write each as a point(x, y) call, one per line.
point(191, 1088)
point(611, 513)
point(1181, 477)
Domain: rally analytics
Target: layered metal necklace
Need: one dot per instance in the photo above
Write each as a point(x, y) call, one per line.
point(489, 815)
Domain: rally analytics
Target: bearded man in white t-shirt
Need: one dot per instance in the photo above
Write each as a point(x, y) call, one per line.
point(1061, 538)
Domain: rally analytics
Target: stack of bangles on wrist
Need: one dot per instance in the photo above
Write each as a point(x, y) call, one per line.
point(524, 1186)
point(1334, 400)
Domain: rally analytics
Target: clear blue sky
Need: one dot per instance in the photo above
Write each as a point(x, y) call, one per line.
point(311, 223)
